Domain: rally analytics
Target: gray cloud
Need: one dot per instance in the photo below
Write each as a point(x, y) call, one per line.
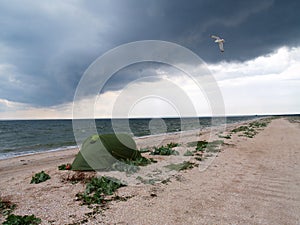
point(49, 44)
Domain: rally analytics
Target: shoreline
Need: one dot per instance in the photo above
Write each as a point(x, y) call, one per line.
point(136, 138)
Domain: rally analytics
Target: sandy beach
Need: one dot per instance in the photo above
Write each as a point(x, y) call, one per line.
point(250, 181)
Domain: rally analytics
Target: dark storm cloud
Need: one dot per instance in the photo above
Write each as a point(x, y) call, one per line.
point(47, 45)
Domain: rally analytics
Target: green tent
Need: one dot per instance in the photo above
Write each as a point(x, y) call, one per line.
point(99, 152)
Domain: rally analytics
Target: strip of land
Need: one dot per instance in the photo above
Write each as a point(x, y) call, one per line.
point(254, 179)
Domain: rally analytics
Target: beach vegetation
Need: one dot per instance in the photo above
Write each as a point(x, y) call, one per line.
point(6, 206)
point(97, 189)
point(39, 177)
point(201, 145)
point(172, 145)
point(153, 160)
point(251, 130)
point(258, 124)
point(228, 136)
point(166, 181)
point(294, 119)
point(214, 146)
point(22, 220)
point(150, 181)
point(205, 145)
point(67, 166)
point(240, 129)
point(181, 166)
point(141, 161)
point(188, 153)
point(164, 150)
point(144, 150)
point(130, 166)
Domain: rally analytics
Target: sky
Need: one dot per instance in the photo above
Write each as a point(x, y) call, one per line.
point(46, 47)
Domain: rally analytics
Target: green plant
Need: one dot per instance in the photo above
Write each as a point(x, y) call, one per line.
point(146, 181)
point(97, 189)
point(22, 220)
point(294, 119)
point(180, 166)
point(130, 166)
point(258, 124)
point(214, 145)
point(249, 131)
point(153, 160)
point(201, 145)
point(144, 150)
point(124, 166)
point(39, 177)
point(240, 129)
point(6, 207)
point(188, 153)
point(164, 151)
point(228, 136)
point(208, 146)
point(172, 145)
point(67, 166)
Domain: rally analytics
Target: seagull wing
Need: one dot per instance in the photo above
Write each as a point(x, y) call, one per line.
point(221, 46)
point(215, 37)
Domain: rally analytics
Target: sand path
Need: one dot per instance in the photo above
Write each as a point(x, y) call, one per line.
point(256, 181)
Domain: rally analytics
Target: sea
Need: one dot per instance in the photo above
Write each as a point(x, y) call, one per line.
point(22, 137)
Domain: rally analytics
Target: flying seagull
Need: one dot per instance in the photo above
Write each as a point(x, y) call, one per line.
point(220, 41)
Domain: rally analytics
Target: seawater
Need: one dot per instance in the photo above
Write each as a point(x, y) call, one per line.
point(20, 137)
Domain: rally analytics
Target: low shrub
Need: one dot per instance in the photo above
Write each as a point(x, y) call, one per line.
point(172, 145)
point(209, 146)
point(67, 166)
point(39, 177)
point(97, 189)
point(130, 166)
point(228, 136)
point(6, 206)
point(22, 220)
point(240, 129)
point(147, 181)
point(258, 124)
point(180, 166)
point(164, 151)
point(188, 153)
point(201, 145)
point(144, 150)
